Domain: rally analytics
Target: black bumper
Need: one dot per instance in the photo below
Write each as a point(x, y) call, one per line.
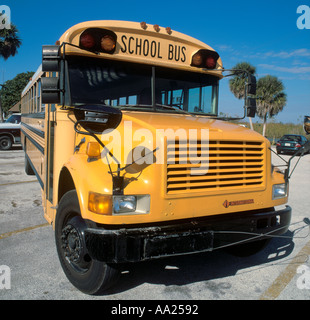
point(190, 236)
point(289, 150)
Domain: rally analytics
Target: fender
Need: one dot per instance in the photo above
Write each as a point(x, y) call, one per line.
point(87, 175)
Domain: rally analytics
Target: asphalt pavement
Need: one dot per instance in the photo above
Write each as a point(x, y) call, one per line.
point(30, 270)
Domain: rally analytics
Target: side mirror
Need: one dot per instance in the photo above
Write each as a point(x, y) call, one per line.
point(251, 85)
point(307, 124)
point(50, 58)
point(97, 118)
point(50, 85)
point(251, 107)
point(50, 90)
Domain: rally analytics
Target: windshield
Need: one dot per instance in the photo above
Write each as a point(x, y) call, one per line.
point(114, 83)
point(291, 138)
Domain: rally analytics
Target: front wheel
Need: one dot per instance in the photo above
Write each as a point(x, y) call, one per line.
point(88, 275)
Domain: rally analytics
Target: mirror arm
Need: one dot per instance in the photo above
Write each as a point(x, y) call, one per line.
point(288, 173)
point(118, 180)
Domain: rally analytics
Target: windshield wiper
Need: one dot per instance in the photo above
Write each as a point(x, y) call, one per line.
point(157, 105)
point(175, 109)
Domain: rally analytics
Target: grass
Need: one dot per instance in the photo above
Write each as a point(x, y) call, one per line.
point(275, 130)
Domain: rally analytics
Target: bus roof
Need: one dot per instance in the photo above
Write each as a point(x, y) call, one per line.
point(33, 79)
point(142, 43)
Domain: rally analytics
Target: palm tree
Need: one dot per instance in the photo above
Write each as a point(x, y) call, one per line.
point(237, 83)
point(271, 98)
point(9, 43)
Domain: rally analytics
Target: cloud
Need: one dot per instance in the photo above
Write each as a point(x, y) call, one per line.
point(294, 70)
point(224, 47)
point(287, 55)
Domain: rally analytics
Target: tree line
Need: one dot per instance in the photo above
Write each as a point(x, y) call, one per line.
point(9, 44)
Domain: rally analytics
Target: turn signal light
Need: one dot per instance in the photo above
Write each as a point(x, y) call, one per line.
point(98, 40)
point(93, 150)
point(100, 203)
point(108, 43)
point(197, 59)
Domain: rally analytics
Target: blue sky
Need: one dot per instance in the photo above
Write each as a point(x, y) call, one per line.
point(263, 33)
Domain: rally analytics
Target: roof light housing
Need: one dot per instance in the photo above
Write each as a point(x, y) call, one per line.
point(205, 58)
point(98, 40)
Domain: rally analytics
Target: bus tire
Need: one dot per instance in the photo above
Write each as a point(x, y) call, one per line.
point(86, 274)
point(6, 143)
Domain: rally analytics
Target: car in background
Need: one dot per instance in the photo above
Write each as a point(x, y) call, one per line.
point(10, 131)
point(290, 143)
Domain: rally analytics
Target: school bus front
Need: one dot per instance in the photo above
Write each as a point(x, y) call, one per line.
point(136, 163)
point(224, 183)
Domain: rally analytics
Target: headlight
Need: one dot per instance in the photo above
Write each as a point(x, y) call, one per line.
point(119, 205)
point(124, 204)
point(138, 204)
point(279, 191)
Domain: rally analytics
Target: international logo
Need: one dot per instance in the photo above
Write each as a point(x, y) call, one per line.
point(227, 203)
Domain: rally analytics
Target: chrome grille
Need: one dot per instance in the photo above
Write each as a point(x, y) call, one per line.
point(222, 165)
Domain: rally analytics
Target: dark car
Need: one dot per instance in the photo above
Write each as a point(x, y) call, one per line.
point(290, 143)
point(10, 131)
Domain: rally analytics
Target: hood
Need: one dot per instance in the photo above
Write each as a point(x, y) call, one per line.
point(217, 129)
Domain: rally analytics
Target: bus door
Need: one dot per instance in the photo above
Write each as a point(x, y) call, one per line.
point(49, 162)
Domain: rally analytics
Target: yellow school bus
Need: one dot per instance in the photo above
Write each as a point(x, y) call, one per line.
point(120, 125)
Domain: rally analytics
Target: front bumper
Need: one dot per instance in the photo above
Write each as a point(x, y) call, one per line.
point(132, 244)
point(289, 150)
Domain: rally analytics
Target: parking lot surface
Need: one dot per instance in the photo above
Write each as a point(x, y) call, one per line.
point(30, 270)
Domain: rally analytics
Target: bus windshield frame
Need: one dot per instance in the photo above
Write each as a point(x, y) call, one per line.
point(134, 86)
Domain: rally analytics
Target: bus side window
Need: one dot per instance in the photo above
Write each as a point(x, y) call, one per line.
point(39, 96)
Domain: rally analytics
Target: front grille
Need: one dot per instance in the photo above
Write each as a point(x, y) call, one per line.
point(214, 165)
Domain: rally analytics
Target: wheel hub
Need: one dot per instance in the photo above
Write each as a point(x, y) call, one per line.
point(4, 143)
point(73, 243)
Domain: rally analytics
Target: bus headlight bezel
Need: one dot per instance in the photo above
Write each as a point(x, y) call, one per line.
point(131, 204)
point(279, 191)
